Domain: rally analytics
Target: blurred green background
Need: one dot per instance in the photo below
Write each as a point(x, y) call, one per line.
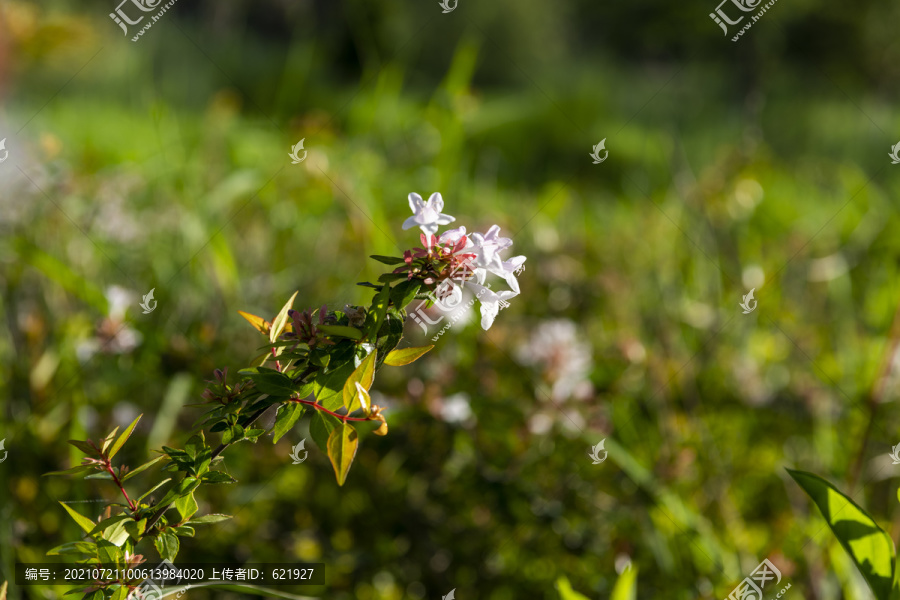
point(758, 164)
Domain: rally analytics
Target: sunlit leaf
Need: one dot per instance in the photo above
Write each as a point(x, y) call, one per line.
point(167, 545)
point(83, 522)
point(141, 468)
point(399, 358)
point(279, 321)
point(207, 519)
point(342, 445)
point(364, 375)
point(868, 545)
point(259, 323)
point(565, 590)
point(287, 417)
point(120, 441)
point(626, 584)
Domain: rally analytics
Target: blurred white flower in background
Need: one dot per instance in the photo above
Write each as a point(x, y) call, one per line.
point(113, 334)
point(564, 360)
point(456, 408)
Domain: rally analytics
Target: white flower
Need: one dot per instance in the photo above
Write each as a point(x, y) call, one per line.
point(487, 248)
point(508, 270)
point(491, 303)
point(427, 215)
point(451, 236)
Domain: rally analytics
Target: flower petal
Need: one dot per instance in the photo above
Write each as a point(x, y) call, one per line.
point(436, 201)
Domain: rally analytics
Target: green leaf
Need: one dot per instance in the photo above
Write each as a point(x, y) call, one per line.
point(286, 419)
point(99, 476)
point(270, 381)
point(136, 529)
point(142, 468)
point(153, 489)
point(85, 447)
point(341, 331)
point(626, 584)
point(73, 471)
point(121, 593)
point(182, 488)
point(116, 534)
point(95, 595)
point(167, 545)
point(217, 477)
point(342, 445)
point(83, 522)
point(120, 441)
point(86, 548)
point(868, 545)
point(565, 590)
point(388, 260)
point(186, 506)
point(376, 314)
point(329, 385)
point(388, 277)
point(108, 523)
point(280, 321)
point(404, 292)
point(109, 553)
point(206, 519)
point(108, 440)
point(233, 434)
point(399, 358)
point(320, 427)
point(364, 375)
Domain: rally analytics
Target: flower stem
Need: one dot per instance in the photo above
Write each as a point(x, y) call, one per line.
point(112, 473)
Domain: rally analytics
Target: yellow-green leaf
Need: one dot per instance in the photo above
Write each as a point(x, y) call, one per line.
point(83, 522)
point(259, 323)
point(868, 545)
point(399, 358)
point(280, 321)
point(120, 441)
point(626, 585)
point(364, 375)
point(342, 445)
point(565, 590)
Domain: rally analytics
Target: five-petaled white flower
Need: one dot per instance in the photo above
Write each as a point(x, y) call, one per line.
point(427, 215)
point(487, 247)
point(508, 270)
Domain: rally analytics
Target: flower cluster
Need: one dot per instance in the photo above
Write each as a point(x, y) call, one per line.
point(446, 263)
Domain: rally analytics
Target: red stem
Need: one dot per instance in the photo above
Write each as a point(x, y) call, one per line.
point(325, 410)
point(109, 470)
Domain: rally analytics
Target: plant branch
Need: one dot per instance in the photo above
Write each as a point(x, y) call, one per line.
point(112, 473)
